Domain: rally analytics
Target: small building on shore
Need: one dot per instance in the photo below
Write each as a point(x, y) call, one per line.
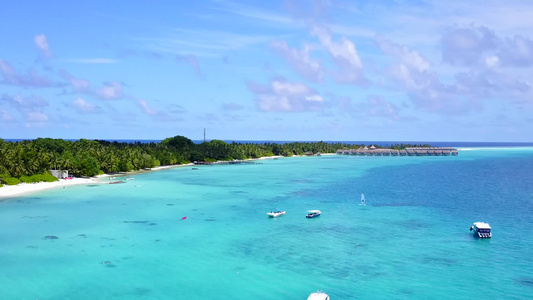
point(59, 174)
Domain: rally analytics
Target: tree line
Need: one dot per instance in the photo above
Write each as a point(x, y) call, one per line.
point(31, 160)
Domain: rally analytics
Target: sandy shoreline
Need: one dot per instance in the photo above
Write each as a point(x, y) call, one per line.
point(11, 191)
point(21, 189)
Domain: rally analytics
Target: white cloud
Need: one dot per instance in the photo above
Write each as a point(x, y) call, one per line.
point(23, 104)
point(80, 84)
point(37, 117)
point(42, 43)
point(91, 60)
point(300, 60)
point(191, 61)
point(408, 57)
point(517, 52)
point(345, 56)
point(111, 91)
point(12, 77)
point(284, 96)
point(466, 46)
point(147, 109)
point(84, 107)
point(5, 116)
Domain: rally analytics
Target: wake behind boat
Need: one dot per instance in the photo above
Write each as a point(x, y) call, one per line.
point(275, 214)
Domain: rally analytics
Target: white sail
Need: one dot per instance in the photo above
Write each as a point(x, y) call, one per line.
point(363, 199)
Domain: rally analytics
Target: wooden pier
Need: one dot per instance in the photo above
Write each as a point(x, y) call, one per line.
point(416, 151)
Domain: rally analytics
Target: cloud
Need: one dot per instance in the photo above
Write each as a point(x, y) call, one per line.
point(146, 108)
point(78, 84)
point(24, 104)
point(480, 46)
point(373, 106)
point(176, 109)
point(5, 116)
point(345, 56)
point(110, 91)
point(467, 46)
point(84, 107)
point(413, 73)
point(37, 117)
point(31, 108)
point(517, 52)
point(42, 44)
point(410, 58)
point(377, 106)
point(12, 77)
point(300, 61)
point(309, 11)
point(158, 115)
point(191, 61)
point(409, 68)
point(284, 96)
point(91, 60)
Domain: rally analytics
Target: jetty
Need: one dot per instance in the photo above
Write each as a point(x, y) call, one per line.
point(415, 151)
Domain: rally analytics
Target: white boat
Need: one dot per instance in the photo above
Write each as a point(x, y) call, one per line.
point(277, 213)
point(313, 213)
point(481, 229)
point(318, 295)
point(363, 199)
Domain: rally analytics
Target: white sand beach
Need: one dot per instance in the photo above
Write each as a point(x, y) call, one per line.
point(8, 191)
point(21, 189)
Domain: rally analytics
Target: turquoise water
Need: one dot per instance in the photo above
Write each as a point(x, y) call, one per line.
point(411, 240)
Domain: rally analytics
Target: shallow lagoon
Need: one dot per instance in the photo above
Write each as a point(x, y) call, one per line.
point(411, 240)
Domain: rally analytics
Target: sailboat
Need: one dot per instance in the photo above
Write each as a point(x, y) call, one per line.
point(363, 199)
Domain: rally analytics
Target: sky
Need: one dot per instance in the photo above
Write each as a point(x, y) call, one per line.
point(281, 70)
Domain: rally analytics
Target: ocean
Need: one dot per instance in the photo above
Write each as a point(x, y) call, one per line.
point(182, 233)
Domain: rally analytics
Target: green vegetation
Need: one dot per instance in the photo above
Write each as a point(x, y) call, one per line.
point(30, 161)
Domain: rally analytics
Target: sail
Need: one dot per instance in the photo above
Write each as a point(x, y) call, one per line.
point(362, 199)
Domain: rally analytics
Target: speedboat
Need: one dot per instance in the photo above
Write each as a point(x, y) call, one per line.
point(318, 295)
point(277, 213)
point(481, 229)
point(313, 213)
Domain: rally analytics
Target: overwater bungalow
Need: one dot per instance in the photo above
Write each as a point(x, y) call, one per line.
point(413, 151)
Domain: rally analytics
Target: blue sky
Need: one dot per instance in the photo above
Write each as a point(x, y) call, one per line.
point(280, 70)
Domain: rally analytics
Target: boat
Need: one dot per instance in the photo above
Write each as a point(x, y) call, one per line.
point(318, 295)
point(116, 182)
point(313, 213)
point(363, 199)
point(277, 213)
point(481, 229)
